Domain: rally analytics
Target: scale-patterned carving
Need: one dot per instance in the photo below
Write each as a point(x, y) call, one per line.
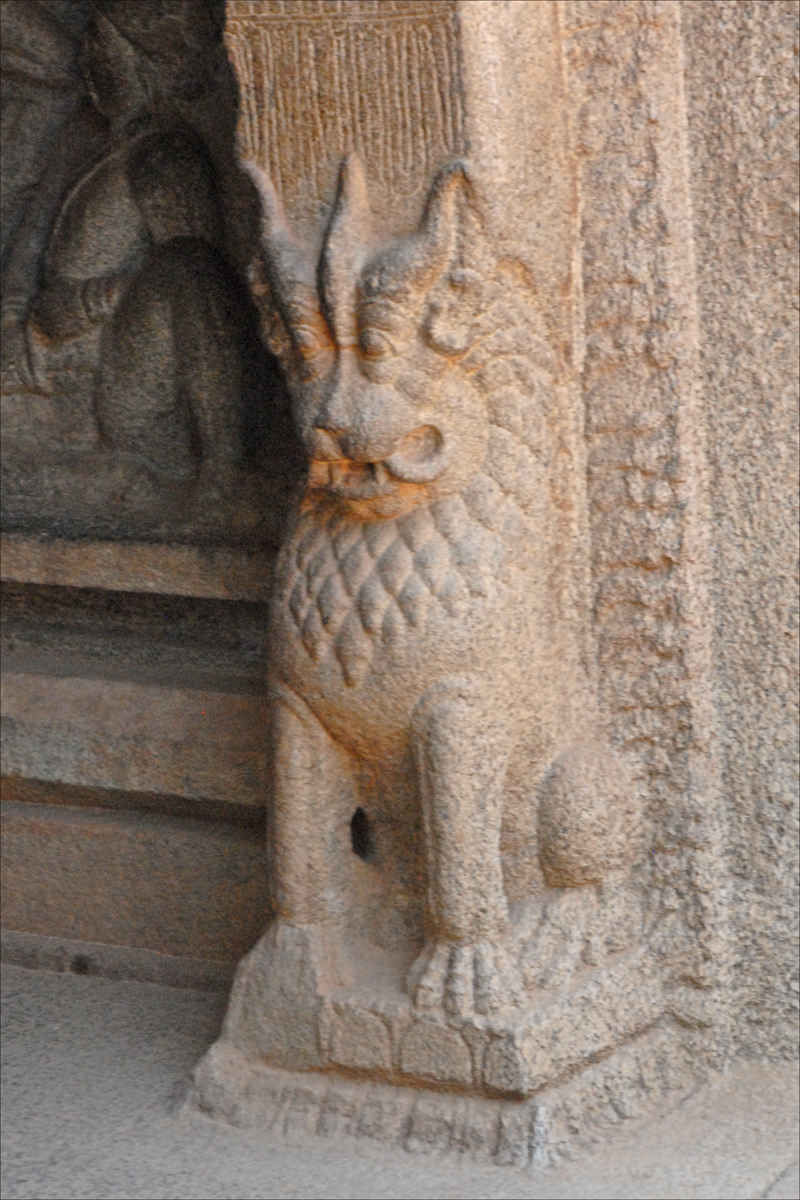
point(350, 583)
point(319, 80)
point(354, 581)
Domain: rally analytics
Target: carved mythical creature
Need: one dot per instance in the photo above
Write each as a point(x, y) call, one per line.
point(409, 633)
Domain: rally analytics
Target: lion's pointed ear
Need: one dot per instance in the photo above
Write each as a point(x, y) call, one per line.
point(344, 253)
point(438, 229)
point(409, 268)
point(288, 267)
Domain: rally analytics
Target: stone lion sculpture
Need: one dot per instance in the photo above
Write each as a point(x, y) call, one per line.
point(419, 709)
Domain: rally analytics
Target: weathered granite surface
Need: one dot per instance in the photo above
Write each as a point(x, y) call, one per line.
point(741, 87)
point(518, 691)
point(423, 370)
point(100, 1092)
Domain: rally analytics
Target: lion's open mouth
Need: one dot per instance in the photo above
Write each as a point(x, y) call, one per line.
point(419, 459)
point(352, 480)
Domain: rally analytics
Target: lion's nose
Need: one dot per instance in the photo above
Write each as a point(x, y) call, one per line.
point(421, 456)
point(351, 445)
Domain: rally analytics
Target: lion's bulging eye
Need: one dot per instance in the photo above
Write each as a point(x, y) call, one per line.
point(374, 345)
point(306, 341)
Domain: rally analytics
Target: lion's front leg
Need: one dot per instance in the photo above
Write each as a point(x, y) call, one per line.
point(461, 750)
point(308, 815)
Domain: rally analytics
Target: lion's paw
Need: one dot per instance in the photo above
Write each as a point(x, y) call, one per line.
point(465, 978)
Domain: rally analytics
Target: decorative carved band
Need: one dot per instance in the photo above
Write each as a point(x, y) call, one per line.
point(356, 12)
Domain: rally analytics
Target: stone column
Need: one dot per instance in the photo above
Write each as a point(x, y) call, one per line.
point(487, 202)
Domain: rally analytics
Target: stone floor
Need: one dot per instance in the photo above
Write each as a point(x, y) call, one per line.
point(94, 1072)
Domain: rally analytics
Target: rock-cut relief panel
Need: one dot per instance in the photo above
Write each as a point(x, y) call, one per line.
point(131, 363)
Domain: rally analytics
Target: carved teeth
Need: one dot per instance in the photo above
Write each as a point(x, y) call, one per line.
point(319, 474)
point(358, 479)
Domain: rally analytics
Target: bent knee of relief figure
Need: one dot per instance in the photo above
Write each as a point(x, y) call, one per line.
point(137, 316)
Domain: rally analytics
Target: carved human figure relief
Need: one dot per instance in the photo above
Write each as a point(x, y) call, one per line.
point(130, 356)
point(141, 223)
point(413, 694)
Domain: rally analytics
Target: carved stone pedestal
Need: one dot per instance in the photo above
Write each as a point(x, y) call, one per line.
point(652, 1072)
point(333, 1007)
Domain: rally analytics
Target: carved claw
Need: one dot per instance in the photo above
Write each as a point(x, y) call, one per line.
point(464, 979)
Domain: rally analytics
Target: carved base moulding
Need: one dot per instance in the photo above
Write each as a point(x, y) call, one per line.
point(652, 1073)
point(299, 1003)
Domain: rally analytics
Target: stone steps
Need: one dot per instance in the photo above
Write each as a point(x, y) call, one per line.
point(134, 722)
point(193, 741)
point(188, 887)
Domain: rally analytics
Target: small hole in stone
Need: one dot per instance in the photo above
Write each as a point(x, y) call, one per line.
point(80, 964)
point(361, 835)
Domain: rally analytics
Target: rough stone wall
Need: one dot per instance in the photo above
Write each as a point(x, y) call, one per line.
point(688, 247)
point(741, 85)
